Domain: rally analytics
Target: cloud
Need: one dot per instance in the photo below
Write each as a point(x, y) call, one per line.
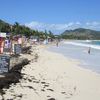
point(78, 23)
point(53, 27)
point(93, 25)
point(58, 28)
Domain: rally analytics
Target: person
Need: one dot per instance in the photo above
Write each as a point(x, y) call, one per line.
point(57, 44)
point(89, 50)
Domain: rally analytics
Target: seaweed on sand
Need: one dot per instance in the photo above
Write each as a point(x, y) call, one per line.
point(12, 76)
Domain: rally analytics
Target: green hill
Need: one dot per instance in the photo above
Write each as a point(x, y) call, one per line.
point(23, 30)
point(4, 27)
point(81, 33)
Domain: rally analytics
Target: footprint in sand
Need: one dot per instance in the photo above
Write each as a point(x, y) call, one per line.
point(52, 99)
point(50, 90)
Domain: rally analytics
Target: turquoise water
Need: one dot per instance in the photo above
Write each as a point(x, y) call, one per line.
point(91, 42)
point(79, 50)
point(94, 43)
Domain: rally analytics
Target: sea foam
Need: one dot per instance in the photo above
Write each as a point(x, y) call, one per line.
point(82, 43)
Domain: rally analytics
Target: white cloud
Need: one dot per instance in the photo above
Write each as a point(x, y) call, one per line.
point(57, 28)
point(93, 25)
point(78, 23)
point(43, 26)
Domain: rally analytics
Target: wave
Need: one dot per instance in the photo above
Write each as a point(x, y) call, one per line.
point(83, 44)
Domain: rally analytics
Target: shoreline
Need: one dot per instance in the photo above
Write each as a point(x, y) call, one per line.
point(54, 77)
point(77, 62)
point(83, 43)
point(88, 61)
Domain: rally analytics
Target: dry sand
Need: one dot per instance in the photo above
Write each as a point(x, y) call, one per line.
point(54, 77)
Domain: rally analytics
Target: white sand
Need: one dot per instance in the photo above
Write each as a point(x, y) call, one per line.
point(55, 76)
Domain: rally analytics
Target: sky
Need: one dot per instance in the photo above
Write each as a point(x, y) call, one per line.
point(54, 15)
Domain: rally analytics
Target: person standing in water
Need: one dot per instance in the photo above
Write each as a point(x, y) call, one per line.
point(89, 50)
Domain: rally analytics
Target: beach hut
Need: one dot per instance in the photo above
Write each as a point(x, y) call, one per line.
point(34, 39)
point(2, 39)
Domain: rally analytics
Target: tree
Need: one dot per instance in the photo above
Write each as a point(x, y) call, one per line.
point(51, 35)
point(4, 27)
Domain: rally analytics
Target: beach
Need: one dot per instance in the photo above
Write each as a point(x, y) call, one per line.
point(54, 77)
point(78, 50)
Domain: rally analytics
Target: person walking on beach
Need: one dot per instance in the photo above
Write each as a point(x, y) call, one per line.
point(57, 44)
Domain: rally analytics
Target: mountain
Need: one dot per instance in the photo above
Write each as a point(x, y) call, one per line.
point(4, 27)
point(81, 33)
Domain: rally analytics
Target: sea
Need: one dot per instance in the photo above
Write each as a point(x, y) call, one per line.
point(78, 50)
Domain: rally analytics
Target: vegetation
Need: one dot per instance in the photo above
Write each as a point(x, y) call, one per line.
point(81, 34)
point(23, 30)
